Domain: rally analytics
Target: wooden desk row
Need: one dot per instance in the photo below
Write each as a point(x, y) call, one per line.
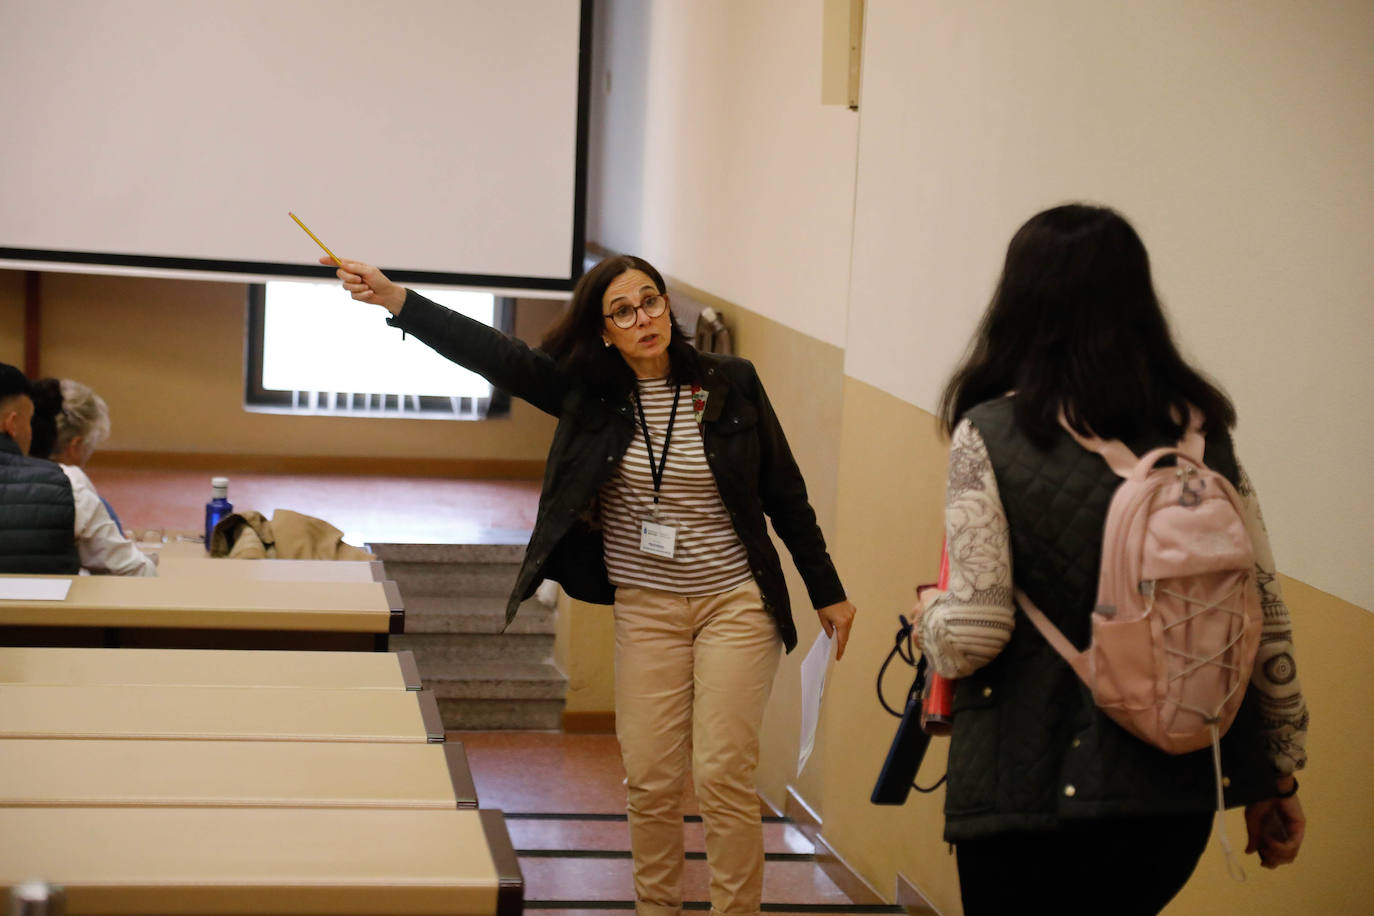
point(202, 603)
point(194, 781)
point(208, 668)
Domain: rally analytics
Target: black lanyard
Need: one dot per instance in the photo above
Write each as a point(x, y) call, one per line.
point(656, 471)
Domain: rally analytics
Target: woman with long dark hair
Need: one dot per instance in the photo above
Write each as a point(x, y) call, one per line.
point(663, 467)
point(1048, 799)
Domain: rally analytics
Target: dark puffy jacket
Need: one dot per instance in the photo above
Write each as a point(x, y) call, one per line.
point(1030, 747)
point(37, 515)
point(745, 447)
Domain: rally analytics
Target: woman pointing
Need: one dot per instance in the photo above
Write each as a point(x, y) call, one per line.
point(663, 467)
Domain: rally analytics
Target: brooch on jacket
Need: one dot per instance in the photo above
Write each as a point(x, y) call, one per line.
point(698, 403)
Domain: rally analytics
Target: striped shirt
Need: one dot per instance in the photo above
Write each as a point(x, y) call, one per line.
point(708, 557)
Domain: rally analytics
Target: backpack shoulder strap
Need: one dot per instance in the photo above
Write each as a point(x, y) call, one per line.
point(1115, 452)
point(1122, 460)
point(1057, 640)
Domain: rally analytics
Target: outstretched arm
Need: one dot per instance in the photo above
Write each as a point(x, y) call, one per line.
point(507, 363)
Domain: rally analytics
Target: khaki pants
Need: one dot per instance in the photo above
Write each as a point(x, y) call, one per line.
point(692, 676)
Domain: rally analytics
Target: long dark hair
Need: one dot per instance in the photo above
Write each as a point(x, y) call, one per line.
point(47, 404)
point(1075, 325)
point(576, 341)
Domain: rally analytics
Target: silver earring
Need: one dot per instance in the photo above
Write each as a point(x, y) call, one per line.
point(605, 342)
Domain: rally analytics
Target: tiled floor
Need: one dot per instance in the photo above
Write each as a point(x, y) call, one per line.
point(564, 798)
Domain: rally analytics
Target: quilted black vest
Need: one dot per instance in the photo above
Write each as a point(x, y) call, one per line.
point(37, 515)
point(1029, 747)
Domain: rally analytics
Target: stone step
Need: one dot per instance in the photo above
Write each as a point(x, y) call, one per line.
point(497, 681)
point(501, 695)
point(446, 655)
point(493, 715)
point(418, 580)
point(455, 598)
point(449, 553)
point(476, 614)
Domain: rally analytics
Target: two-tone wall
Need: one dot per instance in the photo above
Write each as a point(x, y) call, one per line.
point(1237, 137)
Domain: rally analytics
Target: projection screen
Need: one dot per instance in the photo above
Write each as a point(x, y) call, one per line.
point(443, 140)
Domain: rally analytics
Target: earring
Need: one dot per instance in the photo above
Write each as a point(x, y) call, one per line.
point(605, 342)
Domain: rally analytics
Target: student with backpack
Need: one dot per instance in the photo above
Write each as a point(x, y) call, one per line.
point(1091, 786)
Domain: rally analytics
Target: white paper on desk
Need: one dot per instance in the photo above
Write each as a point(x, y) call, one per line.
point(34, 589)
point(813, 671)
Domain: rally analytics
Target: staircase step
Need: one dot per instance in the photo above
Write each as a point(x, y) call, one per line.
point(449, 553)
point(476, 614)
point(446, 655)
point(483, 674)
point(552, 883)
point(535, 835)
point(514, 715)
point(417, 580)
point(502, 681)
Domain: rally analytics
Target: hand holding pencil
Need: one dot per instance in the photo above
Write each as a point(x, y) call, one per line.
point(365, 282)
point(368, 284)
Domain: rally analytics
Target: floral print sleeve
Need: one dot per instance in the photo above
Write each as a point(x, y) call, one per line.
point(1283, 712)
point(965, 628)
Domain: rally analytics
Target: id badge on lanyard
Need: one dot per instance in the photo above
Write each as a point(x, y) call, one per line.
point(655, 537)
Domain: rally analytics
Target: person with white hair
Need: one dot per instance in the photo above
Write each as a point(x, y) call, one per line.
point(70, 422)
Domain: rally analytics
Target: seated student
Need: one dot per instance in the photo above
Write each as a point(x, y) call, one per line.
point(37, 510)
point(70, 420)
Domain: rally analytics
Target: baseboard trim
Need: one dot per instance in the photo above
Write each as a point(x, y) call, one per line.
point(589, 723)
point(910, 898)
point(351, 465)
point(808, 821)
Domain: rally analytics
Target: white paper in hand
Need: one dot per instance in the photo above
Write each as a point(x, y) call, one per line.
point(813, 671)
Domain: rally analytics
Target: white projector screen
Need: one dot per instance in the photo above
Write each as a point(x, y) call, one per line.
point(443, 140)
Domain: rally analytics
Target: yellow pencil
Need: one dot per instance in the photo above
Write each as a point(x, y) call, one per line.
point(315, 237)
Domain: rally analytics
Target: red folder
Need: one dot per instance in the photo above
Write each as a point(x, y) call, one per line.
point(937, 704)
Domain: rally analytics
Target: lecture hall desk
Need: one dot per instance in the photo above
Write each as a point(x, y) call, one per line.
point(209, 668)
point(194, 613)
point(43, 772)
point(176, 566)
point(218, 713)
point(265, 860)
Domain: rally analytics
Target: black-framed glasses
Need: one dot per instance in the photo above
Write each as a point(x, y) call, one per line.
point(624, 315)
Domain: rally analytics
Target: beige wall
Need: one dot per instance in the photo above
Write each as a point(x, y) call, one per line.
point(12, 317)
point(584, 648)
point(168, 357)
point(713, 158)
point(1237, 136)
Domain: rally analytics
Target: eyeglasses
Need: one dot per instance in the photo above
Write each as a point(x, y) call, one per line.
point(625, 315)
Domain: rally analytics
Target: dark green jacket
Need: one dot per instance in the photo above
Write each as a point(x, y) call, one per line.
point(1030, 748)
point(37, 515)
point(745, 447)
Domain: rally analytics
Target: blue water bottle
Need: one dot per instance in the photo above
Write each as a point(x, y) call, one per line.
point(218, 507)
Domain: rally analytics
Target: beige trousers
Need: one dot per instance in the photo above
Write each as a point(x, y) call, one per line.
point(692, 676)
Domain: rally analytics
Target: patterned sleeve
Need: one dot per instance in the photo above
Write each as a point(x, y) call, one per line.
point(964, 628)
point(1283, 712)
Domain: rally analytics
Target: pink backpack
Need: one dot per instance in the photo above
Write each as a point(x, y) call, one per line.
point(1177, 621)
